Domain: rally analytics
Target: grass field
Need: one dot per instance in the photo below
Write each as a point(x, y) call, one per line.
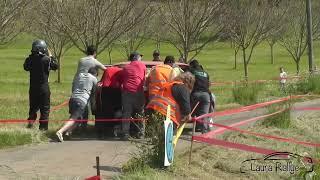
point(217, 59)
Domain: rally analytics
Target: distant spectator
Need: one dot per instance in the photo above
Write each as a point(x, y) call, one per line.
point(132, 78)
point(282, 79)
point(181, 59)
point(84, 90)
point(156, 55)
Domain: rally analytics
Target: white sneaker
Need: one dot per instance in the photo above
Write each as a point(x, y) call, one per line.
point(68, 133)
point(59, 135)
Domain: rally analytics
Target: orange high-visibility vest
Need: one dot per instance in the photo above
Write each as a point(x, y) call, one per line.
point(159, 75)
point(162, 99)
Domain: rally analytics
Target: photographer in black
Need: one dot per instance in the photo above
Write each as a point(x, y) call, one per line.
point(39, 63)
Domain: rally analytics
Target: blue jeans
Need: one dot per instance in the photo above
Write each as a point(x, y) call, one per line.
point(203, 108)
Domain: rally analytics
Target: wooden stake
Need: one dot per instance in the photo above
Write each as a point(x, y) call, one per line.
point(98, 166)
point(193, 131)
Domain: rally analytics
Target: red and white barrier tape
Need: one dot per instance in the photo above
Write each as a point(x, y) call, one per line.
point(283, 139)
point(251, 107)
point(97, 120)
point(239, 146)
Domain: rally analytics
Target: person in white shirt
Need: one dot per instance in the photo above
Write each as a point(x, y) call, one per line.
point(282, 79)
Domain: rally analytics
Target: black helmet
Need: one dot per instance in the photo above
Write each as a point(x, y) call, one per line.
point(39, 46)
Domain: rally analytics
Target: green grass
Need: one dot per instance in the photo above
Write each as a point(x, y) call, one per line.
point(14, 136)
point(281, 120)
point(309, 85)
point(246, 94)
point(216, 58)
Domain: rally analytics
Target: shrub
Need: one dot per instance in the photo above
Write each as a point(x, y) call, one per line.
point(308, 85)
point(281, 120)
point(14, 138)
point(246, 94)
point(151, 153)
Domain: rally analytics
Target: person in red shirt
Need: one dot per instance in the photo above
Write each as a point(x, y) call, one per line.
point(108, 102)
point(132, 78)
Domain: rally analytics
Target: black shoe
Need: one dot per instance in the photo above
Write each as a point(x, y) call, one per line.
point(204, 131)
point(43, 128)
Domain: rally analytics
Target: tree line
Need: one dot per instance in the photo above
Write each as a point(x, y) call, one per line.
point(188, 25)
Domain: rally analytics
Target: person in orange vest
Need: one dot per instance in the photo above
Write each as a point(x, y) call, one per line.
point(159, 75)
point(176, 94)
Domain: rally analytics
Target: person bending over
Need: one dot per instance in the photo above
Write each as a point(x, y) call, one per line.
point(84, 91)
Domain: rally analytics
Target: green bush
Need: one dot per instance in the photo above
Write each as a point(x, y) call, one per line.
point(151, 153)
point(246, 94)
point(281, 120)
point(14, 138)
point(308, 85)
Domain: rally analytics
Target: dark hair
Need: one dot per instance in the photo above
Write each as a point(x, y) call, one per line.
point(156, 53)
point(169, 60)
point(93, 71)
point(134, 56)
point(194, 63)
point(91, 50)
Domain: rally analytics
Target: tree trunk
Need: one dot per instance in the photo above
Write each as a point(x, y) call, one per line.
point(272, 54)
point(59, 70)
point(185, 56)
point(110, 57)
point(235, 58)
point(245, 65)
point(298, 67)
point(158, 45)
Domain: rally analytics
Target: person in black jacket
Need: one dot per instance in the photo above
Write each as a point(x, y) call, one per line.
point(200, 93)
point(39, 63)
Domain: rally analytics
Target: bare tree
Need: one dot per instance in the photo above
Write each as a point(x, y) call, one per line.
point(158, 28)
point(316, 19)
point(98, 22)
point(236, 49)
point(294, 39)
point(10, 13)
point(272, 40)
point(192, 24)
point(133, 39)
point(47, 28)
point(249, 23)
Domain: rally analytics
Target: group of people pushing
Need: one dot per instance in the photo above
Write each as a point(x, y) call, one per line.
point(166, 84)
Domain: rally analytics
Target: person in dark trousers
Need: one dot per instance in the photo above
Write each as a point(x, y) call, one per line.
point(84, 65)
point(84, 92)
point(201, 94)
point(109, 103)
point(39, 63)
point(132, 79)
